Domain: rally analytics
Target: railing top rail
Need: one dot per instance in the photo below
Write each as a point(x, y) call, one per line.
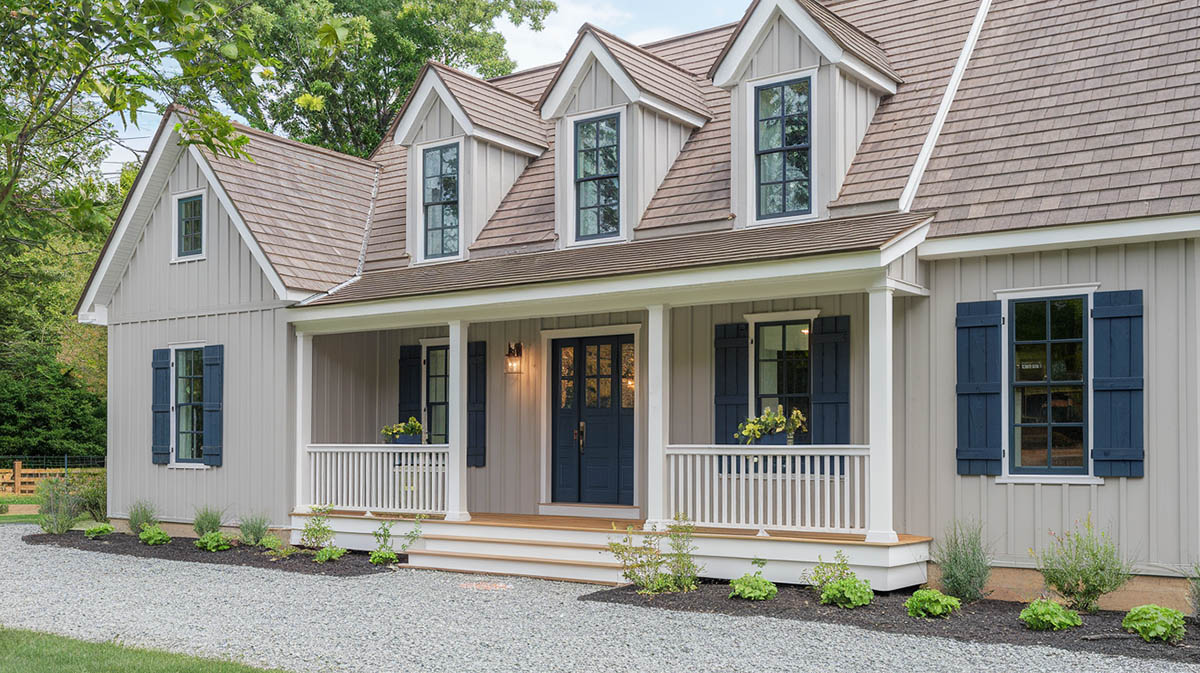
point(769, 449)
point(378, 448)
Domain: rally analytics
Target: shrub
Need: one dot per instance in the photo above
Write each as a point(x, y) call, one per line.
point(383, 554)
point(207, 520)
point(330, 553)
point(141, 514)
point(927, 603)
point(270, 542)
point(214, 541)
point(753, 586)
point(99, 530)
point(59, 508)
point(1194, 591)
point(963, 558)
point(681, 564)
point(153, 534)
point(1046, 615)
point(641, 564)
point(3, 508)
point(848, 592)
point(1154, 622)
point(254, 529)
point(1083, 565)
point(825, 573)
point(413, 534)
point(317, 532)
point(92, 491)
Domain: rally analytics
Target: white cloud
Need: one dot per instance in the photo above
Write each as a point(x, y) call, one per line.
point(530, 49)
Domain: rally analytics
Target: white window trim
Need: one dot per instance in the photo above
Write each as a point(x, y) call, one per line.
point(418, 185)
point(425, 345)
point(752, 352)
point(1005, 297)
point(174, 464)
point(175, 199)
point(624, 230)
point(750, 156)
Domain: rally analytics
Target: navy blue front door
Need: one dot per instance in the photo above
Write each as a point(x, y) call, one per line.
point(593, 384)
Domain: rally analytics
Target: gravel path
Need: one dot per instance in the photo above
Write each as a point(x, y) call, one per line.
point(429, 621)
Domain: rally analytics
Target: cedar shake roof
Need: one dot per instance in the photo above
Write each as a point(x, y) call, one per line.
point(699, 250)
point(492, 108)
point(1072, 112)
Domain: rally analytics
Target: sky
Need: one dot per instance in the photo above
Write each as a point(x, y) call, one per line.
point(638, 21)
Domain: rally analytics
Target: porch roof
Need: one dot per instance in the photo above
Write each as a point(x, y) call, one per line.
point(842, 235)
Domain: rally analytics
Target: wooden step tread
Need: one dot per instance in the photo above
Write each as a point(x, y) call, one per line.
point(518, 559)
point(506, 540)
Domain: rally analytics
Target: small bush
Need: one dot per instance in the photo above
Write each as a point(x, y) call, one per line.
point(1154, 622)
point(254, 529)
point(99, 530)
point(59, 508)
point(681, 562)
point(141, 514)
point(926, 603)
point(753, 587)
point(1045, 615)
point(641, 564)
point(92, 491)
point(383, 554)
point(270, 542)
point(317, 531)
point(207, 520)
point(825, 572)
point(848, 592)
point(330, 553)
point(153, 534)
point(963, 558)
point(1083, 565)
point(214, 541)
point(3, 508)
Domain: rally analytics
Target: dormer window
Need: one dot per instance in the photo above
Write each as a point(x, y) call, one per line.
point(440, 201)
point(189, 227)
point(597, 178)
point(783, 148)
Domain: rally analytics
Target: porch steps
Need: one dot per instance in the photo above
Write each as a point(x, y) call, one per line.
point(534, 558)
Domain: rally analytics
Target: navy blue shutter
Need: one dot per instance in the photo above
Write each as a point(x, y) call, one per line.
point(732, 380)
point(476, 403)
point(214, 384)
point(979, 418)
point(1117, 383)
point(160, 407)
point(830, 416)
point(409, 384)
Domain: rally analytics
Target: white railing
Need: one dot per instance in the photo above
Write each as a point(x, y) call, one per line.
point(379, 477)
point(800, 488)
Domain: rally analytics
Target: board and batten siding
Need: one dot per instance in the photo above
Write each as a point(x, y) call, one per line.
point(1155, 519)
point(596, 91)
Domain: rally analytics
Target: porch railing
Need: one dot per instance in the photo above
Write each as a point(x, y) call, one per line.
point(800, 488)
point(379, 477)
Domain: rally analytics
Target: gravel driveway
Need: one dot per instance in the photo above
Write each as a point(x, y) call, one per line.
point(430, 621)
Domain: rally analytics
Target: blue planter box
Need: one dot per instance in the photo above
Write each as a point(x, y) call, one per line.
point(406, 439)
point(776, 439)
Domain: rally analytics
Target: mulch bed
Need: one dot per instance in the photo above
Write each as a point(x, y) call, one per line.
point(984, 621)
point(353, 564)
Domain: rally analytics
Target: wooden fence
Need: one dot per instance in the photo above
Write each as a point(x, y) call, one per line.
point(23, 481)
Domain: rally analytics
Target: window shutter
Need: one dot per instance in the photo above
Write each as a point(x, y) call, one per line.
point(830, 421)
point(160, 407)
point(409, 392)
point(732, 380)
point(214, 383)
point(979, 419)
point(476, 403)
point(1117, 384)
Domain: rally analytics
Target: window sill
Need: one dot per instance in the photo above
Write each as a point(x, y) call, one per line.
point(188, 466)
point(1050, 480)
point(599, 240)
point(782, 220)
point(189, 258)
point(436, 260)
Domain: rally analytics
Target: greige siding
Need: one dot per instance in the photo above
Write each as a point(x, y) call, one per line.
point(596, 91)
point(1155, 519)
point(438, 123)
point(493, 172)
point(655, 141)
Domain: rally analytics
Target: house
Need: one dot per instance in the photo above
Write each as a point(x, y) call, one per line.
point(959, 236)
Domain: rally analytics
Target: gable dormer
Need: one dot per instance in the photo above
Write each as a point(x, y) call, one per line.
point(804, 85)
point(467, 141)
point(621, 115)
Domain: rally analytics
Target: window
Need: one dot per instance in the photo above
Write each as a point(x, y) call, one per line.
point(1048, 377)
point(782, 369)
point(782, 148)
point(440, 179)
point(189, 404)
point(597, 178)
point(437, 404)
point(190, 234)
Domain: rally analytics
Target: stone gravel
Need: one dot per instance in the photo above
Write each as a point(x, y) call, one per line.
point(430, 621)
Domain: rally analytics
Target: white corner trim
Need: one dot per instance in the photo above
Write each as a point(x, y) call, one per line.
point(905, 242)
point(960, 68)
point(856, 68)
point(589, 49)
point(1116, 232)
point(429, 91)
point(97, 316)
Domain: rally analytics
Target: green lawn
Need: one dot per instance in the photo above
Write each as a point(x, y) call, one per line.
point(32, 652)
point(11, 499)
point(18, 518)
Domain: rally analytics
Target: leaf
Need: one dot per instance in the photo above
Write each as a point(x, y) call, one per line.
point(229, 51)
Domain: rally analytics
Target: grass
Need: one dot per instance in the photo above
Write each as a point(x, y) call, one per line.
point(12, 499)
point(18, 518)
point(32, 652)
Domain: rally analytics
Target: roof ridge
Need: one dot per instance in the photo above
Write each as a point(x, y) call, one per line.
point(684, 36)
point(308, 146)
point(480, 80)
point(587, 26)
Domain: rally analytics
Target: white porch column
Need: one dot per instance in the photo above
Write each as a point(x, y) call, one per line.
point(879, 411)
point(456, 469)
point(304, 363)
point(658, 376)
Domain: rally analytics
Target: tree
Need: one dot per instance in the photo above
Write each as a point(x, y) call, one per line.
point(345, 66)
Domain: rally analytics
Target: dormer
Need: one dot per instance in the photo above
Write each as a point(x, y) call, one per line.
point(804, 85)
point(467, 142)
point(621, 115)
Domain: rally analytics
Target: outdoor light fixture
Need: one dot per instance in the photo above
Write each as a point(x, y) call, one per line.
point(512, 359)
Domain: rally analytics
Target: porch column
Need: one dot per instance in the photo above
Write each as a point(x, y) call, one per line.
point(658, 376)
point(879, 411)
point(456, 468)
point(304, 362)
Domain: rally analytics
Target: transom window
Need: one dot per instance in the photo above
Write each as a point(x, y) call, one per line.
point(783, 148)
point(437, 405)
point(782, 369)
point(1048, 379)
point(191, 226)
point(597, 178)
point(440, 179)
point(189, 405)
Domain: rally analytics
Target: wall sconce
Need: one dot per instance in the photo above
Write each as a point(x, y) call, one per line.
point(512, 358)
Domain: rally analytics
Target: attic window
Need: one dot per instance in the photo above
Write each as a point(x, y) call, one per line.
point(190, 236)
point(440, 203)
point(782, 141)
point(597, 178)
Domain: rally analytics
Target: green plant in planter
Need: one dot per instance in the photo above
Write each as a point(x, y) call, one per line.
point(153, 534)
point(214, 541)
point(926, 603)
point(99, 530)
point(410, 428)
point(1154, 622)
point(1046, 615)
point(770, 422)
point(848, 592)
point(753, 586)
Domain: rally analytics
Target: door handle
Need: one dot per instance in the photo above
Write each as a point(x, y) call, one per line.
point(582, 434)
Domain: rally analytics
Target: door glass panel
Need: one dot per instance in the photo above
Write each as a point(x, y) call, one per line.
point(566, 356)
point(627, 376)
point(591, 393)
point(605, 360)
point(590, 358)
point(566, 393)
point(605, 384)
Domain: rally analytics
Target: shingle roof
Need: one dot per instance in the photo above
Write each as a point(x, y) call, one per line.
point(1071, 112)
point(651, 73)
point(492, 108)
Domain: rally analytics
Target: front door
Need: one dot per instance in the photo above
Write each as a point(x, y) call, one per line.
point(593, 385)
